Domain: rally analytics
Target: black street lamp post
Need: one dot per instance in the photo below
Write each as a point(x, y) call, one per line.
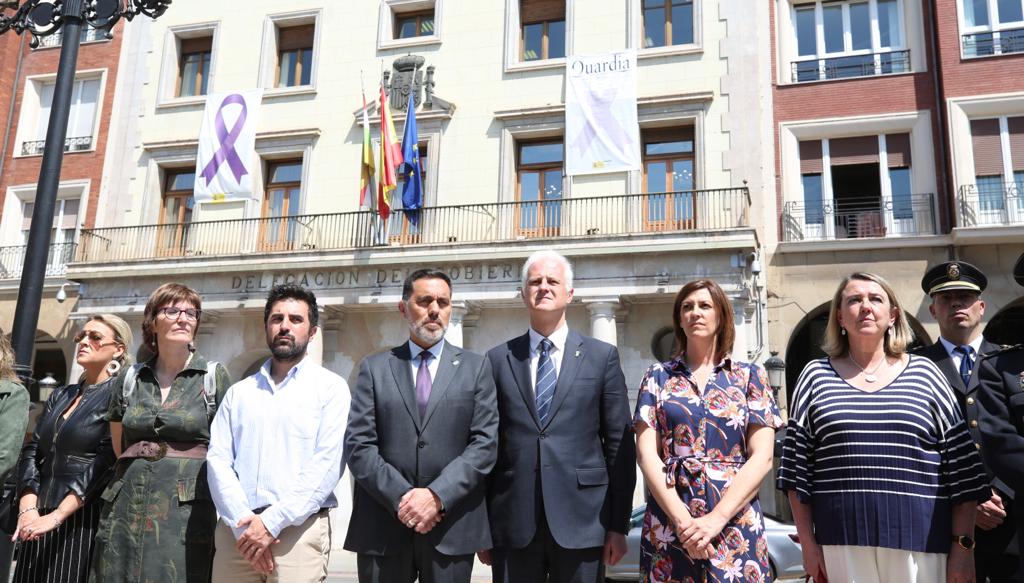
point(42, 18)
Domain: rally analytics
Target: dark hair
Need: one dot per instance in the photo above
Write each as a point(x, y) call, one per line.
point(726, 333)
point(290, 291)
point(166, 295)
point(425, 273)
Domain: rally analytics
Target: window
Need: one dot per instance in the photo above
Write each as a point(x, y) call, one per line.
point(81, 122)
point(542, 24)
point(88, 35)
point(279, 229)
point(668, 159)
point(860, 38)
point(667, 22)
point(998, 147)
point(539, 188)
point(194, 66)
point(401, 229)
point(63, 235)
point(295, 55)
point(992, 27)
point(414, 24)
point(176, 212)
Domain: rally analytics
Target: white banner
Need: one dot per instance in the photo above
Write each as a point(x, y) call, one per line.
point(227, 147)
point(601, 129)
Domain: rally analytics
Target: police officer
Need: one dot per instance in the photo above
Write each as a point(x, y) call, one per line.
point(1001, 418)
point(955, 289)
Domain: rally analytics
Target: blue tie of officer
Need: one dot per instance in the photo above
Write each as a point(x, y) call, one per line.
point(966, 362)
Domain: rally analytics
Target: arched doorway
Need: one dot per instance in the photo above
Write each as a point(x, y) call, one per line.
point(805, 343)
point(49, 361)
point(1007, 326)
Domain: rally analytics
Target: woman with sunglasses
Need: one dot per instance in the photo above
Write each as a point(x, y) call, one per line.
point(66, 462)
point(158, 521)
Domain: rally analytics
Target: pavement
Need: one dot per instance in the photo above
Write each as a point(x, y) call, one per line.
point(342, 569)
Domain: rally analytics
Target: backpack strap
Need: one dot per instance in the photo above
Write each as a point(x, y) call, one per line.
point(131, 378)
point(210, 389)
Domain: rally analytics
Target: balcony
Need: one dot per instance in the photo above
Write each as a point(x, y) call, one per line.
point(851, 66)
point(573, 218)
point(89, 34)
point(12, 259)
point(987, 44)
point(35, 147)
point(991, 204)
point(859, 218)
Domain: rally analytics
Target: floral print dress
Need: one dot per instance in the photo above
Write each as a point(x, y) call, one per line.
point(702, 440)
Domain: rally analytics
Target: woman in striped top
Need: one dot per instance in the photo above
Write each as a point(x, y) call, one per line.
point(878, 464)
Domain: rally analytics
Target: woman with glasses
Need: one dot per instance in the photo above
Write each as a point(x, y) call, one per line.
point(158, 521)
point(66, 462)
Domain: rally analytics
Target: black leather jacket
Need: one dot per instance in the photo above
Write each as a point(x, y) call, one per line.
point(75, 457)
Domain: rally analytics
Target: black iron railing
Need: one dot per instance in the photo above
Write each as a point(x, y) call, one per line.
point(13, 258)
point(88, 34)
point(990, 204)
point(850, 66)
point(695, 210)
point(857, 218)
point(35, 147)
point(1001, 42)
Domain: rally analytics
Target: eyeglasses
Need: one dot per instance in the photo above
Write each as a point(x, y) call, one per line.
point(173, 313)
point(94, 337)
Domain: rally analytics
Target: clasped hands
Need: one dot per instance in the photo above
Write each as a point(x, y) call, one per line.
point(696, 534)
point(254, 544)
point(32, 525)
point(420, 510)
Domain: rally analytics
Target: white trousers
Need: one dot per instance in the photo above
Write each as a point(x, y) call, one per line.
point(850, 564)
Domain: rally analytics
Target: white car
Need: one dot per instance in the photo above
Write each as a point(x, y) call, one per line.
point(783, 550)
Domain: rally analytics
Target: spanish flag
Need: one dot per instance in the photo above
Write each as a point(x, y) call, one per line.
point(390, 158)
point(368, 168)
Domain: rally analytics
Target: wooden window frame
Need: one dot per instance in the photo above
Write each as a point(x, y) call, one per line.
point(202, 73)
point(667, 26)
point(662, 135)
point(545, 42)
point(172, 237)
point(294, 47)
point(398, 17)
point(539, 230)
point(283, 242)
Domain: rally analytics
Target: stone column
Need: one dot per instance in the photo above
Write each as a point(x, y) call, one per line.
point(602, 319)
point(741, 344)
point(315, 349)
point(455, 324)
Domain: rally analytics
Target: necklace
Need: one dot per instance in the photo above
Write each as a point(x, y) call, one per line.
point(868, 376)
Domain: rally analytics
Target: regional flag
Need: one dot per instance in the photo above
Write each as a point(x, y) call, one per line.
point(412, 188)
point(390, 158)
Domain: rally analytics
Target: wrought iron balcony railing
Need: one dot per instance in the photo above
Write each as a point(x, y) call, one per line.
point(850, 66)
point(12, 259)
point(1000, 42)
point(857, 218)
point(35, 147)
point(89, 34)
point(990, 204)
point(695, 210)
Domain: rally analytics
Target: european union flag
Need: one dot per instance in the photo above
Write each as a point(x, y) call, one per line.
point(412, 187)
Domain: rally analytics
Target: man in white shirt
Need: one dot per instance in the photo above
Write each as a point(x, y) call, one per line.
point(275, 454)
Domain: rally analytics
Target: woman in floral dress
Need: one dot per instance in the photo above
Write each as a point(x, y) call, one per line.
point(705, 427)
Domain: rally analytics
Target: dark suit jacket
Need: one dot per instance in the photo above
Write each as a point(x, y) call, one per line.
point(581, 465)
point(451, 451)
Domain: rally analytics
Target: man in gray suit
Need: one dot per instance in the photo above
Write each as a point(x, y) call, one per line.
point(561, 491)
point(421, 440)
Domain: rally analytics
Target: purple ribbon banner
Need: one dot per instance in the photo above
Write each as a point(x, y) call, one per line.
point(226, 151)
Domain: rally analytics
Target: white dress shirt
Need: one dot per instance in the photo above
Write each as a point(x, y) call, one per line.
point(956, 356)
point(557, 338)
point(414, 362)
point(278, 446)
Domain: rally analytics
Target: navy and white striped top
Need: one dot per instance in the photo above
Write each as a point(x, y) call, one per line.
point(880, 469)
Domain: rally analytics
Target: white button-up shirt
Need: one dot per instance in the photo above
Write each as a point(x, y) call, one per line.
point(558, 338)
point(956, 356)
point(278, 446)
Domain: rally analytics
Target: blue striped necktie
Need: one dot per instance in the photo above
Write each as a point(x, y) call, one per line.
point(546, 380)
point(966, 366)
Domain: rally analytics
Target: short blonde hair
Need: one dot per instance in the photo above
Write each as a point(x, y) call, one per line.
point(897, 338)
point(122, 333)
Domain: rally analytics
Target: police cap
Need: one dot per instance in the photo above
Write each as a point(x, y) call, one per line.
point(955, 275)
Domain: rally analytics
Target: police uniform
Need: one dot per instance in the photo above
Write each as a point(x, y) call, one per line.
point(1001, 417)
point(991, 562)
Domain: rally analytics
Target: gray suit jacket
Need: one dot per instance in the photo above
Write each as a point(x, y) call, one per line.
point(451, 450)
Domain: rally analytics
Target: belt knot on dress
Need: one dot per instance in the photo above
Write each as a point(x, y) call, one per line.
point(682, 469)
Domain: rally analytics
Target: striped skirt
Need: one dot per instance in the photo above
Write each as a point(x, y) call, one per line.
point(62, 555)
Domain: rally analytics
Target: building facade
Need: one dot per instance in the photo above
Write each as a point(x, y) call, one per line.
point(24, 115)
point(489, 78)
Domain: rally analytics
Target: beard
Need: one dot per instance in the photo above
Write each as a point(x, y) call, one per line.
point(289, 351)
point(428, 337)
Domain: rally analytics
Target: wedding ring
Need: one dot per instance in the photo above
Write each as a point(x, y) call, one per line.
point(411, 523)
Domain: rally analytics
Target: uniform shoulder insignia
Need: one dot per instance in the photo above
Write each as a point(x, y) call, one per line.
point(1003, 349)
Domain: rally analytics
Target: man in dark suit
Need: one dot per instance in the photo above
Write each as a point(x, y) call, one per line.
point(560, 494)
point(955, 288)
point(1001, 417)
point(421, 441)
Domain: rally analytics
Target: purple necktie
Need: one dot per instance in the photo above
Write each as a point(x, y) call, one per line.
point(423, 382)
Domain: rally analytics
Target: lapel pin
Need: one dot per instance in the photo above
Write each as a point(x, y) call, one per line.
point(1021, 381)
point(455, 363)
point(577, 354)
